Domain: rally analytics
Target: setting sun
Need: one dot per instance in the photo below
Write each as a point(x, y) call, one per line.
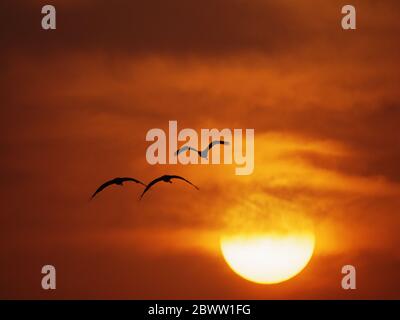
point(268, 258)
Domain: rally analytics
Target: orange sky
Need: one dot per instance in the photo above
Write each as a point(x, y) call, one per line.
point(76, 104)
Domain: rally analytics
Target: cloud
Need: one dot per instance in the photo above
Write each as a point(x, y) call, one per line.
point(137, 27)
point(77, 103)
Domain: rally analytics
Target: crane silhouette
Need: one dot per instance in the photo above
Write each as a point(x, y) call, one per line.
point(165, 178)
point(203, 153)
point(116, 181)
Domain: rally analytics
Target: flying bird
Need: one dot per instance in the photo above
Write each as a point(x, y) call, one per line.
point(165, 178)
point(204, 153)
point(117, 181)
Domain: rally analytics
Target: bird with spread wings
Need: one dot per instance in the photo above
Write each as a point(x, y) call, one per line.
point(204, 153)
point(116, 181)
point(165, 178)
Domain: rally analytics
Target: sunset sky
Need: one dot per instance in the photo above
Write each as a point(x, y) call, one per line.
point(77, 102)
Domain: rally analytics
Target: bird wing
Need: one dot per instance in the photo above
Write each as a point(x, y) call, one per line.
point(103, 186)
point(182, 178)
point(152, 183)
point(213, 143)
point(184, 148)
point(134, 180)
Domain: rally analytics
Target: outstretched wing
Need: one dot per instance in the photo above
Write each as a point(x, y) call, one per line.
point(213, 143)
point(183, 149)
point(134, 180)
point(103, 186)
point(152, 183)
point(182, 178)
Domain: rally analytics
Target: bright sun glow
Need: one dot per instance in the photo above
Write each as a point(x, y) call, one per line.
point(268, 258)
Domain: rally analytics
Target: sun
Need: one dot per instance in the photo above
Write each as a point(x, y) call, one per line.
point(268, 258)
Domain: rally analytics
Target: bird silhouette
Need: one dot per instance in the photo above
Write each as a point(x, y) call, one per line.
point(117, 181)
point(204, 153)
point(165, 178)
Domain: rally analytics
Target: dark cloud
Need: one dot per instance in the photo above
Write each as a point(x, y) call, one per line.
point(181, 27)
point(371, 133)
point(155, 26)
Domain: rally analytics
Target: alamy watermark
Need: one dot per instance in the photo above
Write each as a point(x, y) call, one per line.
point(188, 147)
